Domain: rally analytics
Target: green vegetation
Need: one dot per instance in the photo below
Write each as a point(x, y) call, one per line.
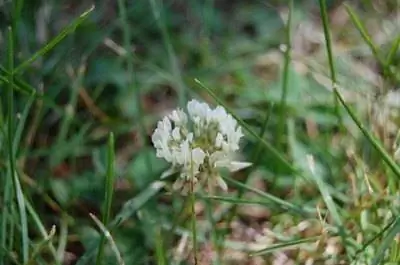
point(314, 85)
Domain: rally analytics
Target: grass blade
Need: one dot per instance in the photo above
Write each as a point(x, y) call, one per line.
point(285, 78)
point(368, 40)
point(282, 203)
point(11, 154)
point(42, 230)
point(387, 242)
point(21, 122)
point(173, 61)
point(49, 46)
point(393, 51)
point(328, 42)
point(108, 236)
point(109, 188)
point(41, 245)
point(330, 204)
point(132, 80)
point(363, 32)
point(134, 204)
point(371, 138)
point(283, 246)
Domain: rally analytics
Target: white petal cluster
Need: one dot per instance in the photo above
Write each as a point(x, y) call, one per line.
point(198, 142)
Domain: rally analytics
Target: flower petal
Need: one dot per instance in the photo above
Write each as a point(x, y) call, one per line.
point(232, 166)
point(221, 183)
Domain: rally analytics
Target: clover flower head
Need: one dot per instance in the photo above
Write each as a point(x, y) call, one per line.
point(198, 142)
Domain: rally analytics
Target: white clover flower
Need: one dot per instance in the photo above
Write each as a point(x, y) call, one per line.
point(199, 143)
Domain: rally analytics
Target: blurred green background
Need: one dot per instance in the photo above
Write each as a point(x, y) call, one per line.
point(131, 62)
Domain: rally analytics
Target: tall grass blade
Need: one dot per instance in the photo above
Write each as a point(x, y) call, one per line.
point(11, 154)
point(387, 242)
point(371, 138)
point(328, 43)
point(109, 191)
point(49, 46)
point(368, 40)
point(330, 204)
point(40, 227)
point(158, 13)
point(284, 246)
point(285, 78)
point(281, 203)
point(363, 32)
point(393, 51)
point(41, 246)
point(108, 236)
point(132, 80)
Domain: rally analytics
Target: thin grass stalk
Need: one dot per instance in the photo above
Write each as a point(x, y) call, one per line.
point(176, 71)
point(328, 43)
point(285, 79)
point(255, 158)
point(5, 232)
point(214, 236)
point(132, 81)
point(160, 252)
point(109, 187)
point(49, 46)
point(13, 174)
point(108, 236)
point(194, 225)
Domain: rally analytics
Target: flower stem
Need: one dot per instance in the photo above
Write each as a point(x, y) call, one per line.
point(194, 232)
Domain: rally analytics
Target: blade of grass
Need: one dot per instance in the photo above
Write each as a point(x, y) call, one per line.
point(255, 158)
point(368, 40)
point(375, 143)
point(21, 123)
point(393, 51)
point(363, 32)
point(21, 86)
point(330, 204)
point(160, 251)
point(285, 79)
point(386, 242)
point(5, 216)
point(108, 236)
point(375, 237)
point(132, 80)
point(237, 201)
point(11, 154)
point(158, 13)
point(109, 189)
point(283, 246)
point(282, 203)
point(68, 117)
point(328, 43)
point(63, 240)
point(40, 246)
point(49, 46)
point(131, 206)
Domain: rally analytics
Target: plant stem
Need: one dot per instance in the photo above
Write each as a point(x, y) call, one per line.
point(328, 43)
point(109, 187)
point(285, 78)
point(194, 226)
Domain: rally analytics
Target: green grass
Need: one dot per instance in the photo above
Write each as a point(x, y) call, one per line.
point(82, 88)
